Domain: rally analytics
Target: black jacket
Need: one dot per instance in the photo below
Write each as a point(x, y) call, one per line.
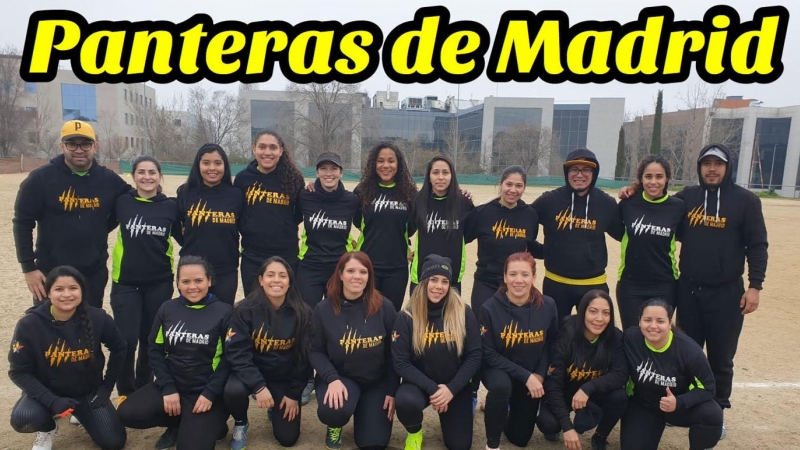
point(327, 219)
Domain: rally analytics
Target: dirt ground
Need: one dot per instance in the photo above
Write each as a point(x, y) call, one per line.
point(765, 397)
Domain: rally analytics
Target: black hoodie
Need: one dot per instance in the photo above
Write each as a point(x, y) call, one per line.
point(143, 252)
point(269, 221)
point(439, 363)
point(353, 345)
point(327, 219)
point(185, 349)
point(384, 228)
point(72, 214)
point(49, 359)
point(722, 226)
point(518, 340)
point(575, 226)
point(261, 348)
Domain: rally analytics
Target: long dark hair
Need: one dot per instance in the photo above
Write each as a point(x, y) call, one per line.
point(147, 158)
point(570, 344)
point(260, 306)
point(368, 188)
point(650, 159)
point(195, 180)
point(536, 295)
point(82, 310)
point(289, 175)
point(335, 288)
point(452, 203)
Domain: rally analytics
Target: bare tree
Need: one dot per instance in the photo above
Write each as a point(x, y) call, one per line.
point(217, 114)
point(169, 129)
point(43, 129)
point(524, 144)
point(112, 145)
point(14, 119)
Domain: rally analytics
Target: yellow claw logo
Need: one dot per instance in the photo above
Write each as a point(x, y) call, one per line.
point(59, 353)
point(70, 200)
point(512, 335)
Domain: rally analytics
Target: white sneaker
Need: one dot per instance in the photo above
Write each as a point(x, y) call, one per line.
point(74, 420)
point(44, 439)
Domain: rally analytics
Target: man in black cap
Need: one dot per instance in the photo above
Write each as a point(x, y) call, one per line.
point(70, 202)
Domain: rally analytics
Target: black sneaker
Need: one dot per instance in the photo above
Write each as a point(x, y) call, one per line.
point(168, 439)
point(333, 438)
point(599, 442)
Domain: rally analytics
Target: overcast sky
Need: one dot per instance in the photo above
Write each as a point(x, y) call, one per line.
point(389, 14)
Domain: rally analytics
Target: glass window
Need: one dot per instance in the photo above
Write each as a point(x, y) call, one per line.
point(79, 102)
point(125, 94)
point(30, 88)
point(769, 153)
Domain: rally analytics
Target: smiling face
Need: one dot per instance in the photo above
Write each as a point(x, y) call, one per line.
point(655, 326)
point(267, 152)
point(712, 170)
point(329, 175)
point(354, 278)
point(511, 189)
point(274, 281)
point(79, 153)
point(438, 287)
point(580, 177)
point(440, 178)
point(212, 168)
point(193, 282)
point(146, 178)
point(65, 295)
point(518, 279)
point(598, 316)
point(654, 180)
point(386, 165)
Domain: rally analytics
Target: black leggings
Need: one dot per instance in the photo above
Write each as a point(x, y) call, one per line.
point(612, 404)
point(102, 424)
point(456, 423)
point(642, 428)
point(311, 281)
point(135, 309)
point(567, 296)
point(251, 264)
point(144, 409)
point(631, 296)
point(225, 287)
point(371, 426)
point(509, 409)
point(392, 284)
point(481, 291)
point(237, 399)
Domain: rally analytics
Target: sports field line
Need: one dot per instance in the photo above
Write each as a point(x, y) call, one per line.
point(767, 385)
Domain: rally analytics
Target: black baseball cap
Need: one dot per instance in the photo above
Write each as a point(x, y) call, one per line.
point(331, 158)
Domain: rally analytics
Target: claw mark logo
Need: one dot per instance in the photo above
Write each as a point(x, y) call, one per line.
point(512, 335)
point(502, 230)
point(320, 220)
point(582, 373)
point(435, 223)
point(382, 202)
point(16, 346)
point(255, 193)
point(697, 217)
point(138, 227)
point(639, 227)
point(59, 353)
point(564, 218)
point(264, 344)
point(648, 375)
point(351, 341)
point(70, 201)
point(176, 335)
point(229, 336)
point(433, 336)
point(199, 213)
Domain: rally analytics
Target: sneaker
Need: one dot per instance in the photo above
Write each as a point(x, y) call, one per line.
point(306, 397)
point(239, 438)
point(168, 439)
point(723, 433)
point(552, 437)
point(333, 439)
point(414, 441)
point(121, 399)
point(44, 439)
point(74, 420)
point(599, 442)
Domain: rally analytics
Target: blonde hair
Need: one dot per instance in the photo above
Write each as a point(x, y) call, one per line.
point(453, 317)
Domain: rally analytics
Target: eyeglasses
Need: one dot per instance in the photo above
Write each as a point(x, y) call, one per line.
point(85, 146)
point(584, 171)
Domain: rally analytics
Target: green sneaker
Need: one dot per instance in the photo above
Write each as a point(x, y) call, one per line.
point(414, 441)
point(333, 439)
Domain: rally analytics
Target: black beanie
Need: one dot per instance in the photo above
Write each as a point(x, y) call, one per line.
point(437, 265)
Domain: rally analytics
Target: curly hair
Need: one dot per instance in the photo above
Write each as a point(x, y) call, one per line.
point(291, 178)
point(368, 187)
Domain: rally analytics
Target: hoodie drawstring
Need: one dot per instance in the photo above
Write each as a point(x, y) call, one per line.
point(705, 204)
point(572, 209)
point(719, 196)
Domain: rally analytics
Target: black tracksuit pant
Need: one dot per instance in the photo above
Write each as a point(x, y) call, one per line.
point(96, 280)
point(712, 317)
point(509, 409)
point(642, 428)
point(612, 404)
point(225, 287)
point(135, 309)
point(311, 280)
point(567, 296)
point(252, 263)
point(392, 284)
point(631, 296)
point(144, 409)
point(237, 400)
point(481, 291)
point(102, 423)
point(371, 426)
point(456, 423)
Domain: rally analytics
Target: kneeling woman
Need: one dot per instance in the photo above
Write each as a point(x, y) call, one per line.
point(436, 351)
point(671, 382)
point(57, 361)
point(185, 349)
point(518, 328)
point(588, 375)
point(351, 353)
point(267, 347)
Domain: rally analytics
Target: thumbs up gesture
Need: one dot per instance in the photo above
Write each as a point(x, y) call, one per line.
point(669, 403)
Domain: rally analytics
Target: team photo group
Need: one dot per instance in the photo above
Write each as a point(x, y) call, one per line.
point(362, 310)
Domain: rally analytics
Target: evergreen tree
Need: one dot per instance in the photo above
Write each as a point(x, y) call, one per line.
point(655, 145)
point(619, 171)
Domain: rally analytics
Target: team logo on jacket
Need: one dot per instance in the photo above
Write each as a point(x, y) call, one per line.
point(395, 336)
point(434, 223)
point(433, 336)
point(177, 334)
point(648, 375)
point(255, 193)
point(60, 353)
point(263, 343)
point(199, 213)
point(137, 226)
point(229, 336)
point(582, 373)
point(319, 220)
point(382, 202)
point(698, 218)
point(70, 201)
point(352, 341)
point(484, 330)
point(16, 346)
point(564, 218)
point(512, 335)
point(502, 230)
point(640, 228)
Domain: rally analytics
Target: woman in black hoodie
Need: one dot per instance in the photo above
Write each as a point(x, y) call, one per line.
point(436, 350)
point(588, 375)
point(57, 360)
point(267, 346)
point(142, 266)
point(519, 329)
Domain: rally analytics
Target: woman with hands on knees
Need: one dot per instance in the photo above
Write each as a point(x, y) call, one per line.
point(436, 350)
point(186, 356)
point(351, 353)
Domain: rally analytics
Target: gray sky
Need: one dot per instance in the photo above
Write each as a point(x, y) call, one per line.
point(388, 15)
